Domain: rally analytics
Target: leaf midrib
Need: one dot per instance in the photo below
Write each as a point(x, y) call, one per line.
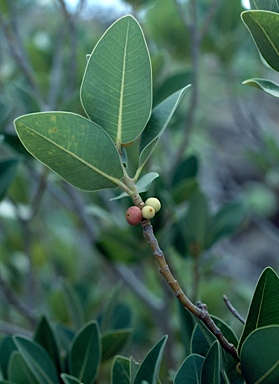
point(266, 35)
point(97, 170)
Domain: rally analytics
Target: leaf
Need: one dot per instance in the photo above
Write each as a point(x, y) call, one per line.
point(8, 169)
point(186, 327)
point(120, 370)
point(158, 122)
point(19, 372)
point(149, 368)
point(226, 221)
point(116, 90)
point(74, 305)
point(190, 370)
point(143, 184)
point(7, 347)
point(265, 85)
point(37, 360)
point(75, 148)
point(211, 366)
point(264, 28)
point(268, 5)
point(264, 308)
point(45, 336)
point(114, 341)
point(259, 357)
point(68, 379)
point(85, 353)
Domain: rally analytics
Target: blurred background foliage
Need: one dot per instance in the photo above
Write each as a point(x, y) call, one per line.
point(218, 163)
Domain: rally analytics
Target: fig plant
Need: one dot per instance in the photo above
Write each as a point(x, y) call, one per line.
point(90, 154)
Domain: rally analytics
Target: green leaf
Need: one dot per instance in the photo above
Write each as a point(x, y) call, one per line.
point(259, 357)
point(265, 85)
point(202, 339)
point(114, 341)
point(190, 370)
point(187, 169)
point(8, 169)
point(158, 122)
point(74, 305)
point(211, 366)
point(121, 371)
point(7, 382)
point(225, 222)
point(149, 368)
point(7, 347)
point(19, 372)
point(143, 184)
point(37, 360)
point(85, 353)
point(264, 28)
point(75, 148)
point(45, 336)
point(268, 5)
point(264, 309)
point(68, 379)
point(116, 90)
point(187, 325)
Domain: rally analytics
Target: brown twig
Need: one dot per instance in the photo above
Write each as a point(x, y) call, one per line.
point(199, 310)
point(233, 310)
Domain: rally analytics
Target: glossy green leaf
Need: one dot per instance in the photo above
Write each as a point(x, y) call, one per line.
point(68, 379)
point(85, 353)
point(158, 122)
point(45, 336)
point(187, 169)
point(7, 347)
point(190, 370)
point(259, 357)
point(7, 382)
point(267, 86)
point(74, 147)
point(149, 368)
point(19, 372)
point(268, 5)
point(211, 367)
point(114, 341)
point(8, 169)
point(121, 371)
point(37, 360)
point(74, 305)
point(264, 28)
point(143, 184)
point(264, 309)
point(116, 90)
point(202, 339)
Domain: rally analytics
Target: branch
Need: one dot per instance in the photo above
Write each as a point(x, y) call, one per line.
point(233, 310)
point(199, 310)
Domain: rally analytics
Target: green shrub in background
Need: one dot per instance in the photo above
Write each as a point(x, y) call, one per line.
point(90, 154)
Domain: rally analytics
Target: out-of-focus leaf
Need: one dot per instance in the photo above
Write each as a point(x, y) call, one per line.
point(259, 357)
point(45, 336)
point(158, 122)
point(187, 169)
point(211, 367)
point(120, 371)
point(264, 28)
point(37, 359)
point(186, 328)
point(116, 90)
point(85, 353)
point(74, 305)
point(143, 184)
point(265, 85)
point(190, 370)
point(264, 309)
point(68, 379)
point(268, 5)
point(114, 341)
point(19, 372)
point(8, 169)
point(75, 148)
point(7, 347)
point(149, 368)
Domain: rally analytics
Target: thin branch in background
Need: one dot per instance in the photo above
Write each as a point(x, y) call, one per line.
point(17, 302)
point(233, 310)
point(17, 51)
point(211, 12)
point(11, 329)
